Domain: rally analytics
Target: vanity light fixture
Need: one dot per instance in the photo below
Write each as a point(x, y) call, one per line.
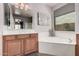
point(22, 6)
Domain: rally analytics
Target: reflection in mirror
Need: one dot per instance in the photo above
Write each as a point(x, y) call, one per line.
point(18, 24)
point(21, 14)
point(23, 23)
point(7, 14)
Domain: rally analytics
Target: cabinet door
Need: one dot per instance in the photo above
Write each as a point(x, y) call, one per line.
point(77, 50)
point(27, 46)
point(5, 48)
point(14, 47)
point(34, 44)
point(77, 45)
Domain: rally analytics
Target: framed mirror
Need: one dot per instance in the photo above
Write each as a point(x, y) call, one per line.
point(18, 16)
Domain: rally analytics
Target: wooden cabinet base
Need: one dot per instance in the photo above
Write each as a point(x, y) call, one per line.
point(77, 45)
point(23, 44)
point(76, 50)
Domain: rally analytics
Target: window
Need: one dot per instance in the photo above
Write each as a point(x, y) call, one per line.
point(65, 22)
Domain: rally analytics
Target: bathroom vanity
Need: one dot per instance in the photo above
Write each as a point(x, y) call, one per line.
point(15, 39)
point(18, 37)
point(20, 44)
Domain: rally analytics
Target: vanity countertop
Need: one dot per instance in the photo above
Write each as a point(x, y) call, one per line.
point(14, 32)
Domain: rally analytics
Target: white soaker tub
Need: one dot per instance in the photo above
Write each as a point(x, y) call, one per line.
point(58, 40)
point(57, 46)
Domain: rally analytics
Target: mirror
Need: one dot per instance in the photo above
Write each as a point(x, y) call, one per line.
point(18, 15)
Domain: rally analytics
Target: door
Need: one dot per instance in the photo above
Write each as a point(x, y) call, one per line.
point(77, 45)
point(34, 44)
point(14, 47)
point(27, 46)
point(77, 50)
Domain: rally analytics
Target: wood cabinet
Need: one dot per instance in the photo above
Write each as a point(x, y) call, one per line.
point(14, 45)
point(27, 46)
point(77, 45)
point(31, 44)
point(77, 50)
point(34, 41)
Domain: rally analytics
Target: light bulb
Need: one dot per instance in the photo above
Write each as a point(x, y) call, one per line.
point(22, 6)
point(26, 7)
point(16, 5)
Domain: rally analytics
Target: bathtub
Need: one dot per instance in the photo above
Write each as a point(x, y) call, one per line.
point(57, 46)
point(58, 40)
point(61, 37)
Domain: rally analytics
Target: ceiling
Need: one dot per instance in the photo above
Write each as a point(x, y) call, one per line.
point(47, 4)
point(51, 4)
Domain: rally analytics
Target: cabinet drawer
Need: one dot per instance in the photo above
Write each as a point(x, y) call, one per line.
point(9, 37)
point(22, 36)
point(34, 35)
